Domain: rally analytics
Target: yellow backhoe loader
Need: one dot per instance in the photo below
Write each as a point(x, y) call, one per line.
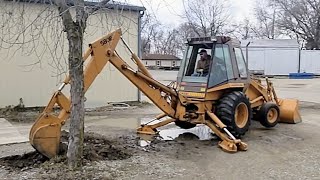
point(221, 95)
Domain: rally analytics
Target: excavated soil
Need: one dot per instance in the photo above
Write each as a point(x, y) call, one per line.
point(25, 161)
point(96, 148)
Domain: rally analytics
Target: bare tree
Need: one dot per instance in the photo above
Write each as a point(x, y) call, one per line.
point(150, 30)
point(157, 38)
point(38, 27)
point(167, 42)
point(160, 39)
point(301, 17)
point(207, 17)
point(74, 28)
point(265, 13)
point(244, 30)
point(204, 18)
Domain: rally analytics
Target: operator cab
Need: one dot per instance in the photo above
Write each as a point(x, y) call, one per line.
point(224, 63)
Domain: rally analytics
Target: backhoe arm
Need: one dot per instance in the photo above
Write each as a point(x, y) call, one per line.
point(46, 131)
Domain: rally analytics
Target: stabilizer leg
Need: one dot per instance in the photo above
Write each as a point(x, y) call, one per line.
point(228, 142)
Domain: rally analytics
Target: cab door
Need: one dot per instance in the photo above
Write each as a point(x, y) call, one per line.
point(222, 66)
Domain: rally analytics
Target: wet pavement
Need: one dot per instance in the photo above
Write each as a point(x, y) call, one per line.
point(9, 133)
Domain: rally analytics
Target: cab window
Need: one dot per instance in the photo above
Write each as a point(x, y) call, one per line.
point(221, 69)
point(196, 71)
point(241, 63)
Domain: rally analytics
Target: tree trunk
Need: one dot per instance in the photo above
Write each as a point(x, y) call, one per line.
point(312, 44)
point(76, 136)
point(75, 30)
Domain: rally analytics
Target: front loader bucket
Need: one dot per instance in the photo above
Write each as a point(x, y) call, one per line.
point(45, 135)
point(289, 111)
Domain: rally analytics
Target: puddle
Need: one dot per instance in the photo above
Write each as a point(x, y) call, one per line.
point(128, 122)
point(200, 132)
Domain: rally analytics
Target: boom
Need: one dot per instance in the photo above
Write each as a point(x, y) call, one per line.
point(45, 133)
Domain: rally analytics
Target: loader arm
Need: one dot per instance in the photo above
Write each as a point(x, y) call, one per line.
point(45, 133)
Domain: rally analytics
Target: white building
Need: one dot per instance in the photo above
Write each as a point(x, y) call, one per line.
point(272, 56)
point(34, 71)
point(310, 61)
point(161, 61)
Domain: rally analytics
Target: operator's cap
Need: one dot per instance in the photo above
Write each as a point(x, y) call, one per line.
point(202, 50)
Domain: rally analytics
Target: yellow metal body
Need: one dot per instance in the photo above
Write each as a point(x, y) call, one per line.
point(45, 133)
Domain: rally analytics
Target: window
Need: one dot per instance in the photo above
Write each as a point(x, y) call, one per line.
point(221, 69)
point(190, 63)
point(173, 63)
point(146, 62)
point(218, 72)
point(241, 63)
point(227, 59)
point(158, 63)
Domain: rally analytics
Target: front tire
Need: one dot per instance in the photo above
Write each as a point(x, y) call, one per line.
point(235, 112)
point(269, 114)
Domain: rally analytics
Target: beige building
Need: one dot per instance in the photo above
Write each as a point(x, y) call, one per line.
point(161, 61)
point(33, 52)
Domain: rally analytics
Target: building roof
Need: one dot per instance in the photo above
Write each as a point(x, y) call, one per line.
point(160, 57)
point(271, 43)
point(110, 5)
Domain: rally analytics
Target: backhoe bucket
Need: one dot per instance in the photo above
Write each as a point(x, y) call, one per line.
point(289, 111)
point(45, 135)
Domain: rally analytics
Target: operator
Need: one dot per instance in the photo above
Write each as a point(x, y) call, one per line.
point(204, 63)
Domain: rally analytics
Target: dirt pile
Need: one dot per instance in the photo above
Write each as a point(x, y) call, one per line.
point(25, 161)
point(96, 148)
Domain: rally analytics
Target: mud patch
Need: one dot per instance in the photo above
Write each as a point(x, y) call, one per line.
point(96, 148)
point(25, 161)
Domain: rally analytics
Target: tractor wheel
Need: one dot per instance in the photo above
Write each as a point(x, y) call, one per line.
point(184, 124)
point(269, 114)
point(235, 112)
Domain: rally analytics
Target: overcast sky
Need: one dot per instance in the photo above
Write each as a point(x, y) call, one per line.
point(169, 11)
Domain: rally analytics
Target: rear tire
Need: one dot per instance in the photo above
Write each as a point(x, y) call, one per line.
point(184, 124)
point(235, 112)
point(269, 114)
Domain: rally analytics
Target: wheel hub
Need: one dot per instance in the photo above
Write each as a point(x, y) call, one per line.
point(241, 115)
point(272, 115)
